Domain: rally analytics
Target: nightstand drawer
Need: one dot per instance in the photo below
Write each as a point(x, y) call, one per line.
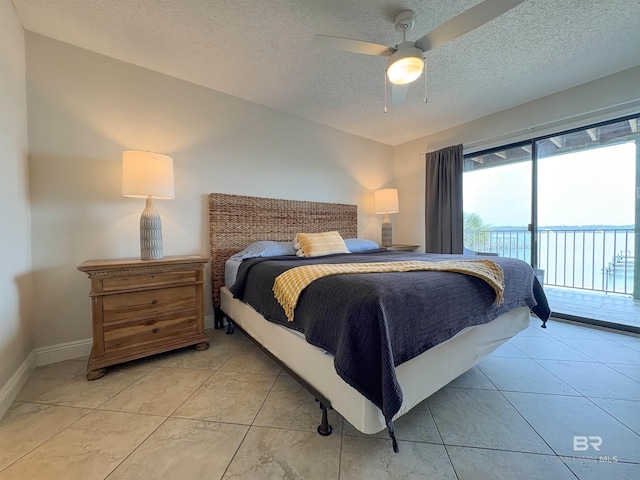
point(148, 303)
point(136, 333)
point(146, 280)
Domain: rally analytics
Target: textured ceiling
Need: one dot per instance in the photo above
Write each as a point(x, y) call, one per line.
point(261, 51)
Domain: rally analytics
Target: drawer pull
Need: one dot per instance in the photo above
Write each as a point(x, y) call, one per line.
point(154, 302)
point(153, 275)
point(155, 330)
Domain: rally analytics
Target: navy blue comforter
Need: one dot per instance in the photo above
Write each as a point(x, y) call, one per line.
point(373, 322)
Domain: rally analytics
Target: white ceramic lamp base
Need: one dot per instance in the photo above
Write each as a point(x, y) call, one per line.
point(386, 231)
point(150, 233)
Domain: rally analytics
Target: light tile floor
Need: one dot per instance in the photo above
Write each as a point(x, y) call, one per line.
point(229, 412)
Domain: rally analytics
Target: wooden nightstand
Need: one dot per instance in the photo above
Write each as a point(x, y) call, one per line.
point(144, 307)
point(401, 247)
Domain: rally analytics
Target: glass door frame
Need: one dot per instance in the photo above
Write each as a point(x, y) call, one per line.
point(532, 144)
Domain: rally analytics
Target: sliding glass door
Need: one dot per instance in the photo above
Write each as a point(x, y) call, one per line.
point(587, 220)
point(568, 204)
point(586, 214)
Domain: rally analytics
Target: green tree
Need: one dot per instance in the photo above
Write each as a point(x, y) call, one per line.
point(477, 234)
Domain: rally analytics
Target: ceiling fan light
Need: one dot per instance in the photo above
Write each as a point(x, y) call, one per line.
point(405, 66)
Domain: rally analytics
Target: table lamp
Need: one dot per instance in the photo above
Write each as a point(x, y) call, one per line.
point(386, 201)
point(148, 175)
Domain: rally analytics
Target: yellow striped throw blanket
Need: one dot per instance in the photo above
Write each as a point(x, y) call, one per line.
point(289, 285)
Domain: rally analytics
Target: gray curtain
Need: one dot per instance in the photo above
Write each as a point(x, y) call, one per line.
point(443, 201)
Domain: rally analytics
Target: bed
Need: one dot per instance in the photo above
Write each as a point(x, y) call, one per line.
point(237, 221)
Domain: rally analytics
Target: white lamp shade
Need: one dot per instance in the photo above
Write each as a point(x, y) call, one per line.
point(405, 66)
point(386, 200)
point(147, 175)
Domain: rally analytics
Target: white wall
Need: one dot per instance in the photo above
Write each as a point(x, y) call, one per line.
point(85, 109)
point(15, 241)
point(600, 100)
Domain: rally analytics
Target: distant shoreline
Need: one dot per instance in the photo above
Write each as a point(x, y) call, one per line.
point(564, 227)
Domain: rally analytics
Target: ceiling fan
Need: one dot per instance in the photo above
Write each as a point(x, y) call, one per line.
point(406, 60)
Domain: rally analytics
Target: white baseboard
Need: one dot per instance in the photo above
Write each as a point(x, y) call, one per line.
point(62, 352)
point(10, 390)
point(45, 356)
point(39, 357)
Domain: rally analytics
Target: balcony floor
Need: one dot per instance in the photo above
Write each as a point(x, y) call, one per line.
point(620, 309)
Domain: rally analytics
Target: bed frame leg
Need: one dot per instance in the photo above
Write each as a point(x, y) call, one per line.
point(218, 318)
point(230, 327)
point(324, 428)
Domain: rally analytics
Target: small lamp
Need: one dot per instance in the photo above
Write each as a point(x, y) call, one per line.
point(386, 201)
point(148, 175)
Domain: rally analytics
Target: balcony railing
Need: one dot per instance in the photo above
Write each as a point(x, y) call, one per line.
point(589, 259)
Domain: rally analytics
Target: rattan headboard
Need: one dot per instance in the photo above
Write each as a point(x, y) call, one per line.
point(236, 221)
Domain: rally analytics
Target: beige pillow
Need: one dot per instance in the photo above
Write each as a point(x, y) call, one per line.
point(317, 244)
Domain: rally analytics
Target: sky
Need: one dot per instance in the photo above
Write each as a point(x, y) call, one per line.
point(590, 187)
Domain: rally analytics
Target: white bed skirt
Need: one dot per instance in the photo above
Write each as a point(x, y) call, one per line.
point(419, 378)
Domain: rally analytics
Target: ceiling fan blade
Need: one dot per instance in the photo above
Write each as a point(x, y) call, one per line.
point(350, 45)
point(398, 94)
point(465, 22)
